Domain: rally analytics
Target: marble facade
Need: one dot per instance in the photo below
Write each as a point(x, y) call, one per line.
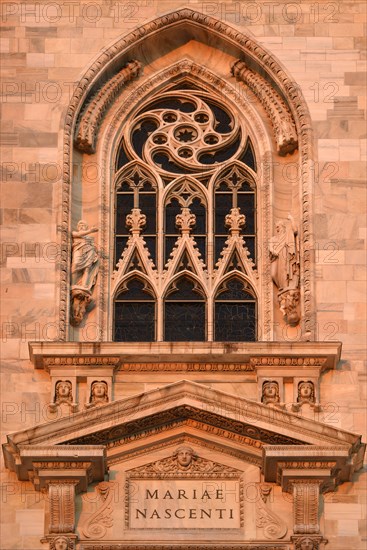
point(194, 445)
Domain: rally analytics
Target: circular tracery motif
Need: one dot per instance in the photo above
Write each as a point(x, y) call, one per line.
point(185, 132)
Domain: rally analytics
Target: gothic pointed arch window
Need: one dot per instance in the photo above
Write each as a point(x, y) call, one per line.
point(134, 312)
point(185, 217)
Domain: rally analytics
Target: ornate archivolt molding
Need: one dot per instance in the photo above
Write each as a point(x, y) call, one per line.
point(261, 58)
point(93, 112)
point(280, 116)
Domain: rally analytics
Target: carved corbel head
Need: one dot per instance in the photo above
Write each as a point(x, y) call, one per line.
point(62, 542)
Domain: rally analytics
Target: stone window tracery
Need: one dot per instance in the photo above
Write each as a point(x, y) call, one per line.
point(185, 217)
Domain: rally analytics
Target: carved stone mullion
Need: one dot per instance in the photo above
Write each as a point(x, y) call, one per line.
point(62, 506)
point(306, 506)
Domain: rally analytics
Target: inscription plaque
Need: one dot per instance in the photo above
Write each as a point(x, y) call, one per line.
point(184, 504)
point(184, 491)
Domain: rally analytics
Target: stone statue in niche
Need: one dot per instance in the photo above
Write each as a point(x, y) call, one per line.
point(306, 394)
point(62, 543)
point(98, 393)
point(63, 394)
point(285, 268)
point(84, 270)
point(270, 393)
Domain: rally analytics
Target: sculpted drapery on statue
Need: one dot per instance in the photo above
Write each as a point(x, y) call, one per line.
point(285, 268)
point(84, 270)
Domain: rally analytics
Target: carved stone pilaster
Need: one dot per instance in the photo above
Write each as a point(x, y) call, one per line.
point(62, 506)
point(306, 506)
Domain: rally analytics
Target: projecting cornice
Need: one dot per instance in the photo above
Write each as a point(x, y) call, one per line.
point(248, 356)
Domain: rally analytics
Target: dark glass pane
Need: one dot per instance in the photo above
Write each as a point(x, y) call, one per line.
point(223, 205)
point(151, 245)
point(245, 187)
point(122, 157)
point(169, 244)
point(172, 104)
point(200, 212)
point(120, 246)
point(219, 245)
point(124, 204)
point(136, 290)
point(201, 245)
point(172, 209)
point(185, 86)
point(147, 204)
point(148, 186)
point(233, 290)
point(162, 160)
point(187, 107)
point(134, 322)
point(223, 124)
point(223, 186)
point(184, 322)
point(235, 322)
point(248, 156)
point(141, 134)
point(185, 289)
point(221, 155)
point(247, 205)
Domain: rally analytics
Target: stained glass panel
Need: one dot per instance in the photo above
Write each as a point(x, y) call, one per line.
point(235, 322)
point(134, 322)
point(184, 321)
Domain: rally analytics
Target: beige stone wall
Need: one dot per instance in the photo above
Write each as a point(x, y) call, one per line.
point(46, 47)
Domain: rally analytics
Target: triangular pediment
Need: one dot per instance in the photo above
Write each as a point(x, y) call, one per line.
point(184, 407)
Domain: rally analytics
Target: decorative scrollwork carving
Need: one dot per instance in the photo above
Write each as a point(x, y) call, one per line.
point(97, 525)
point(273, 526)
